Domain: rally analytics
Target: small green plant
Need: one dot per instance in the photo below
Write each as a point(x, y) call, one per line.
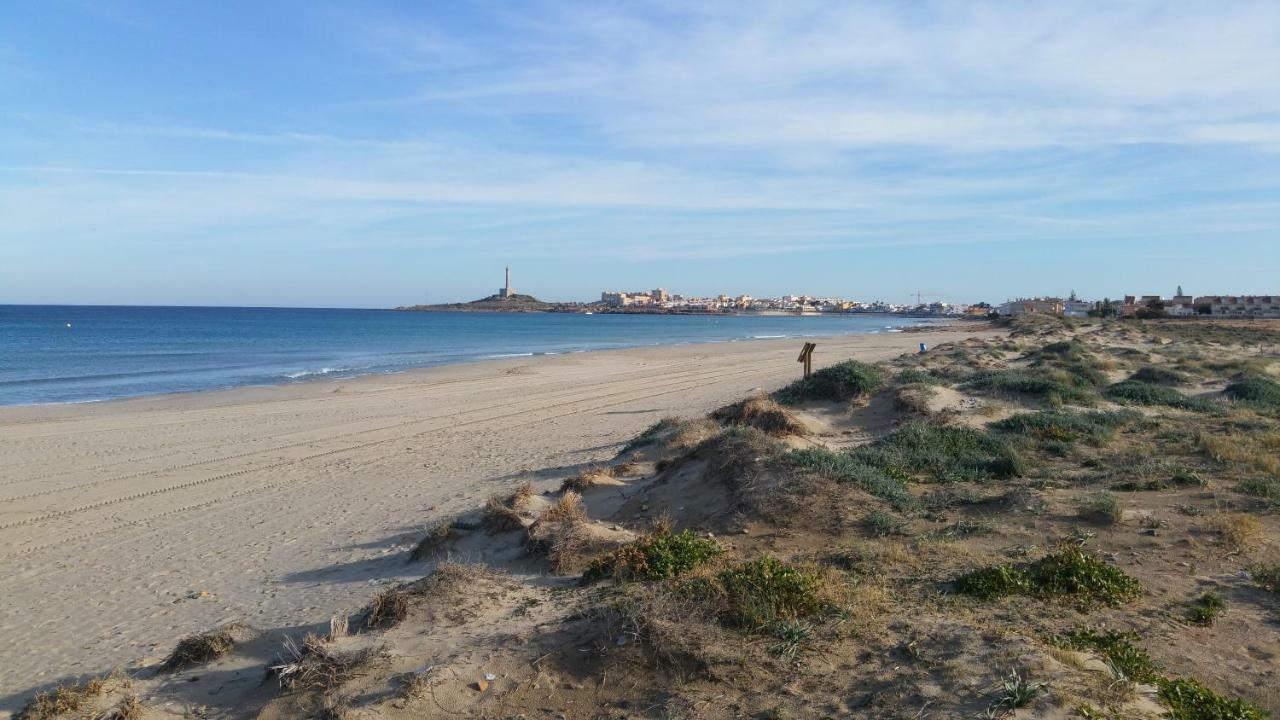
point(1140, 393)
point(840, 382)
point(1255, 390)
point(1267, 577)
point(848, 468)
point(1127, 660)
point(879, 523)
point(1267, 488)
point(1189, 700)
point(1017, 691)
point(916, 376)
point(792, 635)
point(1055, 386)
point(1154, 375)
point(1067, 572)
point(1206, 609)
point(657, 556)
point(1066, 426)
point(943, 453)
point(1100, 507)
point(764, 592)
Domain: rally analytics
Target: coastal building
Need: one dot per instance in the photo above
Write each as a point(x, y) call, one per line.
point(1076, 308)
point(1183, 305)
point(1032, 306)
point(1238, 305)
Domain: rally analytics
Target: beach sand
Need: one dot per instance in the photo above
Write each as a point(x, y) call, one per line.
point(126, 525)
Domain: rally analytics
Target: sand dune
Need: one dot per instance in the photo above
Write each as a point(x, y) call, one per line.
point(125, 525)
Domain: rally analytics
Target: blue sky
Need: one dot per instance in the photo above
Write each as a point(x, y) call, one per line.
point(381, 153)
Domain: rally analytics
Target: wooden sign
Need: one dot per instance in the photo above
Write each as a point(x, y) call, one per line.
point(806, 357)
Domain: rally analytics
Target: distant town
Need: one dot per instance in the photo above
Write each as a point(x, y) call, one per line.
point(660, 301)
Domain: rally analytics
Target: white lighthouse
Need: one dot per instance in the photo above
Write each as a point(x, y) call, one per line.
point(505, 291)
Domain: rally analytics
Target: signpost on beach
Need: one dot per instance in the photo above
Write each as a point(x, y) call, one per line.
point(806, 357)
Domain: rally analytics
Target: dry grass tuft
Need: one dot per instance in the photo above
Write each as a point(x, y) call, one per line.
point(387, 609)
point(451, 577)
point(338, 627)
point(1239, 531)
point(568, 508)
point(1259, 451)
point(61, 700)
point(313, 666)
point(560, 532)
point(197, 649)
point(692, 433)
point(437, 535)
point(587, 479)
point(502, 513)
point(763, 413)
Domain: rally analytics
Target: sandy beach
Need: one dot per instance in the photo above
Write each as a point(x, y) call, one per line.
point(125, 525)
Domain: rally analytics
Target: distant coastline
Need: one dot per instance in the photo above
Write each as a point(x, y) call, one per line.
point(530, 304)
point(74, 354)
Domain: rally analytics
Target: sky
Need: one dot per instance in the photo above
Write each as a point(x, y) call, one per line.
point(374, 154)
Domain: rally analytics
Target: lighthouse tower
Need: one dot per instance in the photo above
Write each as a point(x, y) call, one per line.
point(505, 291)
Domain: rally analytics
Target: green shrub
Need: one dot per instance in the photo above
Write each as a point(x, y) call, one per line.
point(657, 556)
point(1267, 488)
point(1267, 577)
point(943, 453)
point(1154, 375)
point(761, 593)
point(1073, 349)
point(1101, 507)
point(881, 524)
point(840, 382)
point(912, 376)
point(1065, 425)
point(1255, 390)
point(1053, 386)
point(1189, 700)
point(846, 468)
point(1067, 572)
point(1140, 393)
point(994, 582)
point(1117, 648)
point(1206, 609)
point(1072, 358)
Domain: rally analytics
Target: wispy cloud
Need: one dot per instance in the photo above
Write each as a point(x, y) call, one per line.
point(664, 131)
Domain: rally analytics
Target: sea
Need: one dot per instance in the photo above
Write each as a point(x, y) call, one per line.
point(68, 354)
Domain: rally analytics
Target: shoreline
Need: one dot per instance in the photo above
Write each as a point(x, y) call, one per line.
point(127, 524)
point(939, 325)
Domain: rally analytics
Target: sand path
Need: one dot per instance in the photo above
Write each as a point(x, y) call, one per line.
point(126, 525)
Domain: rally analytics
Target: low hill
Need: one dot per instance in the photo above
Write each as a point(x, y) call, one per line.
point(513, 303)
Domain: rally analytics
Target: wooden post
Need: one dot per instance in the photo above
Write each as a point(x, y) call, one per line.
point(806, 357)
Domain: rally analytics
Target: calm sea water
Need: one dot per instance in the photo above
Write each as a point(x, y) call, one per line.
point(53, 354)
